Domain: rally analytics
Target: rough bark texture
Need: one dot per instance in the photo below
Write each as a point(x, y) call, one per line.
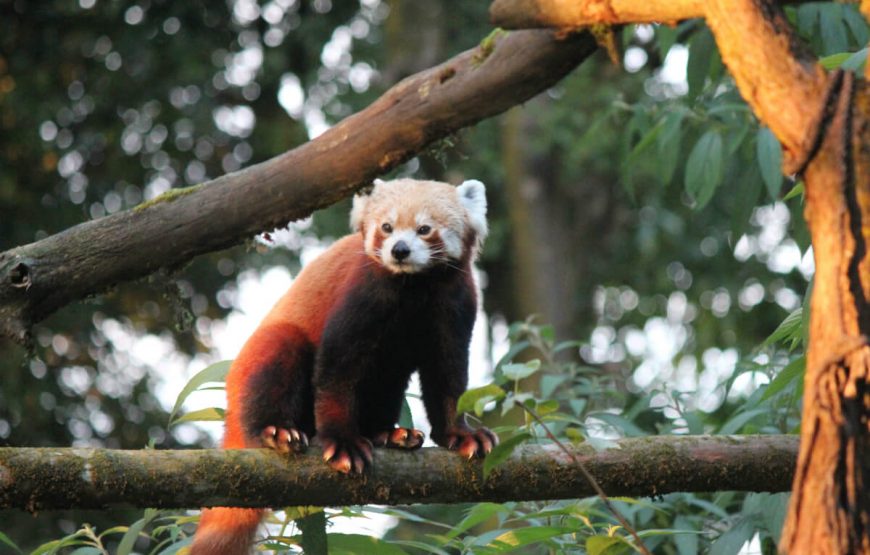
point(830, 509)
point(35, 479)
point(524, 14)
point(39, 278)
point(823, 123)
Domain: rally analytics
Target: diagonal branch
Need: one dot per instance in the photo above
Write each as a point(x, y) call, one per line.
point(39, 278)
point(38, 479)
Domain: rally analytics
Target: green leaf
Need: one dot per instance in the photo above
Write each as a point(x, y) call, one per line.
point(857, 24)
point(549, 383)
point(808, 16)
point(129, 539)
point(547, 407)
point(210, 414)
point(769, 153)
point(834, 60)
point(747, 192)
point(617, 421)
point(774, 511)
point(406, 420)
point(176, 547)
point(668, 147)
point(606, 545)
point(856, 61)
point(687, 544)
point(215, 373)
point(793, 371)
point(469, 399)
point(733, 540)
point(795, 191)
point(666, 37)
point(4, 539)
point(519, 371)
point(833, 29)
point(520, 537)
point(736, 423)
point(788, 331)
point(704, 168)
point(421, 546)
point(502, 451)
point(354, 544)
point(478, 514)
point(701, 49)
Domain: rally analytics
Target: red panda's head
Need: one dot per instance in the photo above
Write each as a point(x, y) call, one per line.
point(410, 225)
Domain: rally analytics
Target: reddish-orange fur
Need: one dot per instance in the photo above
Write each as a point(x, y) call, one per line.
point(334, 355)
point(299, 315)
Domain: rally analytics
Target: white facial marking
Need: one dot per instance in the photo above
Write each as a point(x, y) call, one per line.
point(452, 243)
point(417, 260)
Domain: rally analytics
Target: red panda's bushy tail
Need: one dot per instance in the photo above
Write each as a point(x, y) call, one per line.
point(226, 531)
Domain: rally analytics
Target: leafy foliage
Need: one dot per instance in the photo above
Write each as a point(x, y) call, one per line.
point(639, 196)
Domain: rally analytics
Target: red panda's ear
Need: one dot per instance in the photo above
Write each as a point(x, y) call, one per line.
point(472, 196)
point(360, 201)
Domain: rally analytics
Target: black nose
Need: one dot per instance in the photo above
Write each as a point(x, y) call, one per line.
point(401, 250)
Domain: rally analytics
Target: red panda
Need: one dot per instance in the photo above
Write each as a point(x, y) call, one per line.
point(333, 357)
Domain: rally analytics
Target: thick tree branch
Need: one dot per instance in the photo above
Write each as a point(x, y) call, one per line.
point(39, 278)
point(35, 479)
point(571, 14)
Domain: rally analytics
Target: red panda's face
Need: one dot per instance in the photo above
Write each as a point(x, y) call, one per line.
point(409, 226)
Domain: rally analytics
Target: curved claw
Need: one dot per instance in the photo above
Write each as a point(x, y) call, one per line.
point(284, 440)
point(470, 443)
point(400, 438)
point(346, 455)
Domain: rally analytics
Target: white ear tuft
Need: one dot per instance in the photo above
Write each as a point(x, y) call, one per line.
point(472, 195)
point(356, 213)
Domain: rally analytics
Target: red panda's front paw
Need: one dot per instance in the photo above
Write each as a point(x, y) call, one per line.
point(346, 454)
point(284, 440)
point(400, 438)
point(469, 442)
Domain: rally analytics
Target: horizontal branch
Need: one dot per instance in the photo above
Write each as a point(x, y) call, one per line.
point(528, 14)
point(43, 478)
point(39, 278)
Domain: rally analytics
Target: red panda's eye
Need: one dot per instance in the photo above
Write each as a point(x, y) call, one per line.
point(423, 230)
point(387, 228)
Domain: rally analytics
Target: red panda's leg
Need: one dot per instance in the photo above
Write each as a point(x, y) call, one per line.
point(344, 449)
point(444, 377)
point(269, 395)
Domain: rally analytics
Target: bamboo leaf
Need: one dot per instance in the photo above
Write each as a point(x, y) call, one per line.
point(769, 153)
point(704, 168)
point(470, 398)
point(215, 373)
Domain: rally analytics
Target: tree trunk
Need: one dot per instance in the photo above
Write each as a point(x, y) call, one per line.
point(830, 509)
point(823, 123)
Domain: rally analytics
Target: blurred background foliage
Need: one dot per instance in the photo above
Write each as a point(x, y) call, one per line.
point(639, 210)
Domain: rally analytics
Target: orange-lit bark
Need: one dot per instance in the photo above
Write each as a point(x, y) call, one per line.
point(823, 123)
point(522, 14)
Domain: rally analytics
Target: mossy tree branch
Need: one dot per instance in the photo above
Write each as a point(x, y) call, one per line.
point(43, 478)
point(39, 278)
